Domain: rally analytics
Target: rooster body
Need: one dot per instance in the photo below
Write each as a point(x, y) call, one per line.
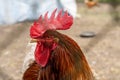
point(60, 59)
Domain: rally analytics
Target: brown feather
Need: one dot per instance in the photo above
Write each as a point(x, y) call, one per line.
point(67, 62)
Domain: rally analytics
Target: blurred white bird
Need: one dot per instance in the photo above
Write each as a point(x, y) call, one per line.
point(31, 9)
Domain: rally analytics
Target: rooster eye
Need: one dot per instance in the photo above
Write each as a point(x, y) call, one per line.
point(47, 37)
point(50, 37)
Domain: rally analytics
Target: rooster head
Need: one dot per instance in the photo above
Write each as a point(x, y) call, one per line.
point(45, 45)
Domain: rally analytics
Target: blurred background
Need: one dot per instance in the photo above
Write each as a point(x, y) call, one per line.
point(96, 29)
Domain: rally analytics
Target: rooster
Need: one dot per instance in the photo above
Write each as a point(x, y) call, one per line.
point(57, 56)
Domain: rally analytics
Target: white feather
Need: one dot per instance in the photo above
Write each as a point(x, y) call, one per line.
point(29, 58)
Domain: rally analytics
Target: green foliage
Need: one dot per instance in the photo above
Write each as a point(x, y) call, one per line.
point(104, 1)
point(109, 1)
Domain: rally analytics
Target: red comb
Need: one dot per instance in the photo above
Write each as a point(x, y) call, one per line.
point(60, 22)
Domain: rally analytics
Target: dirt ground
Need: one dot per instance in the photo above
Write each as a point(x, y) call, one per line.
point(101, 51)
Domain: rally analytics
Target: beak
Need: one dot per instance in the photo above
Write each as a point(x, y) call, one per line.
point(33, 40)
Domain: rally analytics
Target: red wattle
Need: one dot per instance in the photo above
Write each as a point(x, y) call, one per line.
point(42, 55)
